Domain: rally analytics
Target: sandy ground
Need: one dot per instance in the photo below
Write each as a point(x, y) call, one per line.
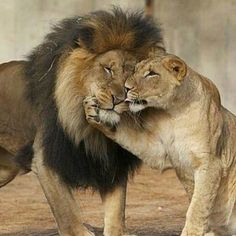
point(156, 205)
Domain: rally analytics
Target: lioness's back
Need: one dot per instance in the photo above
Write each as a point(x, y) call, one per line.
point(16, 123)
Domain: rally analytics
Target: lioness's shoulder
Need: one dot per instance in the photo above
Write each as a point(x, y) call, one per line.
point(11, 64)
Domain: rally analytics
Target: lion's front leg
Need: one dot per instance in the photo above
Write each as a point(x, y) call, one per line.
point(206, 183)
point(60, 197)
point(114, 208)
point(114, 205)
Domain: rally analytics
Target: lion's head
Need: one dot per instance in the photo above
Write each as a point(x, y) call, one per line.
point(154, 82)
point(85, 74)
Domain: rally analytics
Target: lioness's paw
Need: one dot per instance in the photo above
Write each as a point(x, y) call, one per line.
point(95, 115)
point(91, 109)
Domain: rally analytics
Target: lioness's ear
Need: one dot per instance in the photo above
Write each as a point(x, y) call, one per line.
point(157, 50)
point(176, 66)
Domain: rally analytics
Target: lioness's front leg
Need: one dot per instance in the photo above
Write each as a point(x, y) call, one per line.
point(206, 183)
point(8, 169)
point(60, 198)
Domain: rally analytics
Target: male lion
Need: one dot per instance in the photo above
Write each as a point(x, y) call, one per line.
point(83, 56)
point(182, 121)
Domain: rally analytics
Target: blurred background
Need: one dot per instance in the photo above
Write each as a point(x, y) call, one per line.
point(202, 32)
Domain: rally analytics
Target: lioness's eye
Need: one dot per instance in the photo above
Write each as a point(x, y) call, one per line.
point(151, 73)
point(108, 70)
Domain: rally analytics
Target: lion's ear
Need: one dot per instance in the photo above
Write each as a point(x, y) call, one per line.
point(176, 66)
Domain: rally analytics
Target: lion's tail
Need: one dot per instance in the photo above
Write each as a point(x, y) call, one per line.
point(24, 157)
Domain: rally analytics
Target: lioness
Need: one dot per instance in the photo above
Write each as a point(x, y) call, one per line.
point(88, 55)
point(182, 121)
point(16, 124)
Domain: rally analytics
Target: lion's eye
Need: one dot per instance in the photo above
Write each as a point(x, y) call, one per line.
point(129, 68)
point(151, 73)
point(108, 70)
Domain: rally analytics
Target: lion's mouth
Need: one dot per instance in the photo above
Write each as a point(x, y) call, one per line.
point(117, 101)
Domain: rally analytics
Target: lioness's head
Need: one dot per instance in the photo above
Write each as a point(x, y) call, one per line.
point(154, 82)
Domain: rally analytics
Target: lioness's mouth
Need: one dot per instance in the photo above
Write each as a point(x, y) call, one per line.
point(136, 101)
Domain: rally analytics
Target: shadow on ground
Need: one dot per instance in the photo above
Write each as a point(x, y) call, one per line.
point(98, 231)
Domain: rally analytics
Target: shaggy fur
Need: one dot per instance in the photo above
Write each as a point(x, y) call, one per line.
point(96, 33)
point(24, 157)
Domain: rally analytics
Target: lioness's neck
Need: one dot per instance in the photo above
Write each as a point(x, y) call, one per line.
point(195, 91)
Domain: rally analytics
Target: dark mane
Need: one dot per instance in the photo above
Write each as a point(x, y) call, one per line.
point(97, 32)
point(102, 31)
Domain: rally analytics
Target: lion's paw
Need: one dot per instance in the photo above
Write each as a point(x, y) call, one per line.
point(89, 230)
point(89, 233)
point(130, 235)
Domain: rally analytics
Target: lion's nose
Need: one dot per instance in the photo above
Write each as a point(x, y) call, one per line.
point(127, 90)
point(118, 99)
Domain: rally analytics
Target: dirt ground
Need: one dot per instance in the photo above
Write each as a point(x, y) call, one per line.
point(156, 205)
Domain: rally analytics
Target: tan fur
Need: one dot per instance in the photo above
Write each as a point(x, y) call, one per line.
point(183, 121)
